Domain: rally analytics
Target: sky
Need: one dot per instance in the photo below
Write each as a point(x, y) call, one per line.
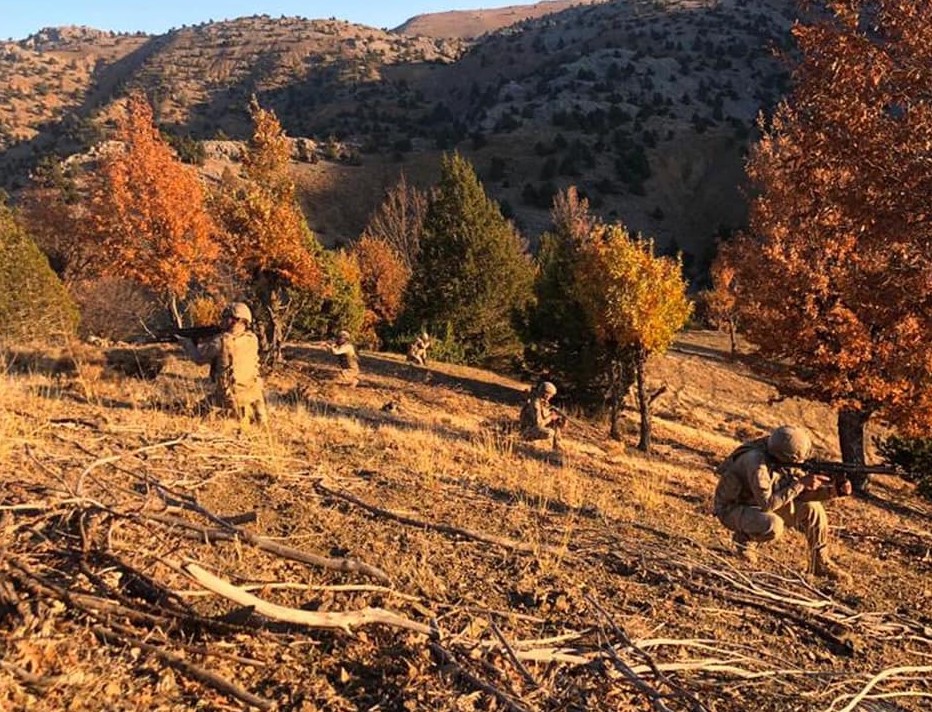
point(20, 18)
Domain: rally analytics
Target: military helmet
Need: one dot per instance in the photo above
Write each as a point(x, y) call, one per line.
point(241, 311)
point(789, 443)
point(548, 388)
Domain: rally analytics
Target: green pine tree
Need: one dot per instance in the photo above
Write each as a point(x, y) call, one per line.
point(33, 301)
point(561, 345)
point(473, 273)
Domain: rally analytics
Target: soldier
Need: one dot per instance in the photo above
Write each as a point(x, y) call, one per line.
point(540, 420)
point(344, 350)
point(417, 354)
point(234, 365)
point(759, 494)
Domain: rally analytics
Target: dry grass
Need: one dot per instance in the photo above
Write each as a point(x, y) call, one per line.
point(603, 520)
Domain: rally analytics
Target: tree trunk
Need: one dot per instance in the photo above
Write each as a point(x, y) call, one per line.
point(732, 337)
point(851, 441)
point(640, 359)
point(270, 331)
point(615, 397)
point(173, 305)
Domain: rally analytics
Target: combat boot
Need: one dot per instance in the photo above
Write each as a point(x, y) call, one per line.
point(821, 565)
point(744, 547)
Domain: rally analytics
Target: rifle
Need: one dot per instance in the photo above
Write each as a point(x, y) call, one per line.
point(840, 471)
point(562, 413)
point(197, 334)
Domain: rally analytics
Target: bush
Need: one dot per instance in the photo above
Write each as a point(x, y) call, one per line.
point(33, 301)
point(914, 456)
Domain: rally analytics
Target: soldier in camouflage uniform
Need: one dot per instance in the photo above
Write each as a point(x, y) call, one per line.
point(234, 365)
point(759, 494)
point(345, 352)
point(539, 420)
point(417, 354)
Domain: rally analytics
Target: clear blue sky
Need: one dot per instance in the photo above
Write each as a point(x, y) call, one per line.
point(20, 18)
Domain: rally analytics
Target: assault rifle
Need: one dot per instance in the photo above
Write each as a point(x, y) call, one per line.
point(840, 471)
point(197, 334)
point(562, 413)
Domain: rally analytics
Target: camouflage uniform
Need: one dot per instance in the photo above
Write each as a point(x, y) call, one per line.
point(344, 350)
point(417, 354)
point(234, 368)
point(759, 495)
point(538, 419)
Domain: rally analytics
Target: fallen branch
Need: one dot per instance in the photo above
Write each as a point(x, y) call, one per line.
point(345, 621)
point(510, 702)
point(406, 518)
point(880, 677)
point(209, 535)
point(211, 679)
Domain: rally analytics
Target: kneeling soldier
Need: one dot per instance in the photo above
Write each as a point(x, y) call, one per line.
point(540, 420)
point(233, 356)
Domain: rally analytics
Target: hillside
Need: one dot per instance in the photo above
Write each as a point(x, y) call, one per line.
point(648, 107)
point(469, 24)
point(598, 581)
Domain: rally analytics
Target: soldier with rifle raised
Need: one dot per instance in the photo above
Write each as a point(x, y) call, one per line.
point(232, 350)
point(770, 483)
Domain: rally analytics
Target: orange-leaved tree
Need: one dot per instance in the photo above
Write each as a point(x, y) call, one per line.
point(636, 303)
point(836, 276)
point(721, 302)
point(384, 276)
point(147, 215)
point(266, 239)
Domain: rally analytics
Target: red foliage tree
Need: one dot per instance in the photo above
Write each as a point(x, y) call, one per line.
point(837, 276)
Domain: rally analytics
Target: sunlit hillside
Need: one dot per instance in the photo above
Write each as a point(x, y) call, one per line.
point(395, 547)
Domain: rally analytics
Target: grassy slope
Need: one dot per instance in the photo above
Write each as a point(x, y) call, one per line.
point(632, 532)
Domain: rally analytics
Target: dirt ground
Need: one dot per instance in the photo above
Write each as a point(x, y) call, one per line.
point(518, 579)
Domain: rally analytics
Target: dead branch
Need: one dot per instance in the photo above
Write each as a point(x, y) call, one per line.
point(38, 683)
point(406, 518)
point(211, 679)
point(678, 690)
point(345, 621)
point(528, 677)
point(880, 677)
point(509, 701)
point(232, 533)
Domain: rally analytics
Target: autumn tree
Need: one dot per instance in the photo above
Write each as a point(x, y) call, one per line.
point(472, 272)
point(836, 277)
point(721, 304)
point(399, 220)
point(51, 210)
point(635, 302)
point(383, 277)
point(147, 213)
point(266, 240)
point(33, 301)
point(560, 343)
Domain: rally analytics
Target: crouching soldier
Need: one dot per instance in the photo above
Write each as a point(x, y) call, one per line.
point(233, 356)
point(759, 494)
point(540, 420)
point(345, 352)
point(417, 354)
